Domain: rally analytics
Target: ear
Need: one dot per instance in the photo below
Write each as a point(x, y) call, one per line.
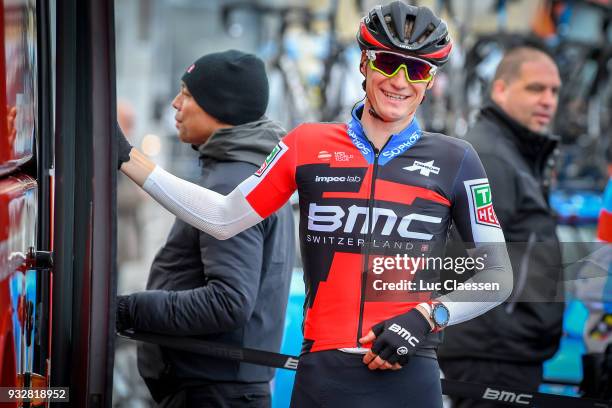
point(430, 83)
point(362, 63)
point(498, 90)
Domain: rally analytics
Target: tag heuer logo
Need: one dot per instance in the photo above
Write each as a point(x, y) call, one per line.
point(483, 205)
point(274, 154)
point(425, 168)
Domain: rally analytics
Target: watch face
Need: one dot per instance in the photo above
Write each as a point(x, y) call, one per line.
point(441, 315)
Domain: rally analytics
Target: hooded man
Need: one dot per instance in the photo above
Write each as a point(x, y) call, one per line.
point(233, 291)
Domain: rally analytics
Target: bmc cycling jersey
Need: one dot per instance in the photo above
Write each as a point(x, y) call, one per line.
point(367, 215)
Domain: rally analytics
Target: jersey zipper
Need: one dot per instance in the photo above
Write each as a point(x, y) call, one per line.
point(364, 272)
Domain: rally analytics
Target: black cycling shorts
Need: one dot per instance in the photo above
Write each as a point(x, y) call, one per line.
point(334, 379)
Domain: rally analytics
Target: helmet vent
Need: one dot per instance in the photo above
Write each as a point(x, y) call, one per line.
point(390, 25)
point(408, 29)
point(430, 29)
point(374, 22)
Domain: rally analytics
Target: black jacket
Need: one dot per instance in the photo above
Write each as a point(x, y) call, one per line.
point(233, 291)
point(527, 328)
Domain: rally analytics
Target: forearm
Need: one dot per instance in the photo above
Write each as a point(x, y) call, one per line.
point(464, 305)
point(218, 215)
point(425, 314)
point(138, 168)
point(191, 312)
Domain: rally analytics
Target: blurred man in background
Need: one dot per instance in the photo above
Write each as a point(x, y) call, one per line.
point(508, 345)
point(233, 291)
point(129, 199)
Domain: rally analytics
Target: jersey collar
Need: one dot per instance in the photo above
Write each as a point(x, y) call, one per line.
point(397, 144)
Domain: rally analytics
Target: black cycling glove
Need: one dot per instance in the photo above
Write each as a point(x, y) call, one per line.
point(397, 338)
point(124, 147)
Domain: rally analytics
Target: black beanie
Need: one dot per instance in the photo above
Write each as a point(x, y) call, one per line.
point(231, 86)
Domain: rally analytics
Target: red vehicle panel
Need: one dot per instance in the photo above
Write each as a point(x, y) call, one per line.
point(18, 215)
point(19, 70)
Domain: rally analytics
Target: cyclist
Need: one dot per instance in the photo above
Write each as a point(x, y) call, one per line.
point(372, 191)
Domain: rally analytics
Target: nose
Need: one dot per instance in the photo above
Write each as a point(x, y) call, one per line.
point(176, 102)
point(400, 80)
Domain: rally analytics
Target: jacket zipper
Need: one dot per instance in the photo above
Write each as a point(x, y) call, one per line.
point(364, 272)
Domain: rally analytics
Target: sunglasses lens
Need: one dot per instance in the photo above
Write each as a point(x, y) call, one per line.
point(388, 64)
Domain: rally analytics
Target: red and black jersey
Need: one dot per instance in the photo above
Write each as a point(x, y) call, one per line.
point(358, 206)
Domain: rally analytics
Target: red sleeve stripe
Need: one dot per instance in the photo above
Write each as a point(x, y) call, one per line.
point(390, 191)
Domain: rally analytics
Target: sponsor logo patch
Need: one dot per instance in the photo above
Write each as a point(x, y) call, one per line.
point(424, 168)
point(358, 143)
point(405, 334)
point(507, 396)
point(337, 179)
point(483, 205)
point(324, 155)
point(291, 363)
point(401, 148)
point(331, 218)
point(342, 156)
point(273, 156)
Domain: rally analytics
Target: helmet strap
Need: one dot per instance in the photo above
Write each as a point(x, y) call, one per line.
point(375, 115)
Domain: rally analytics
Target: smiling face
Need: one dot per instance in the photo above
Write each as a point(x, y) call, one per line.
point(532, 97)
point(394, 99)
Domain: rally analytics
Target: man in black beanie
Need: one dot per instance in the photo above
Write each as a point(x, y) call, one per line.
point(234, 291)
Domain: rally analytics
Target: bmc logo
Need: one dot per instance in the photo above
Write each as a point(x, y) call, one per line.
point(507, 396)
point(330, 218)
point(291, 363)
point(405, 334)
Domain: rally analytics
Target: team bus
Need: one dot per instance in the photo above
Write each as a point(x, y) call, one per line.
point(57, 178)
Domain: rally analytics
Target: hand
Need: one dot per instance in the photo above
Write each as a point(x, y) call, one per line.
point(372, 360)
point(123, 319)
point(124, 147)
point(395, 340)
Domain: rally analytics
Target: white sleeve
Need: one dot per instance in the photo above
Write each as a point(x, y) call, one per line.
point(479, 228)
point(218, 215)
point(466, 305)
